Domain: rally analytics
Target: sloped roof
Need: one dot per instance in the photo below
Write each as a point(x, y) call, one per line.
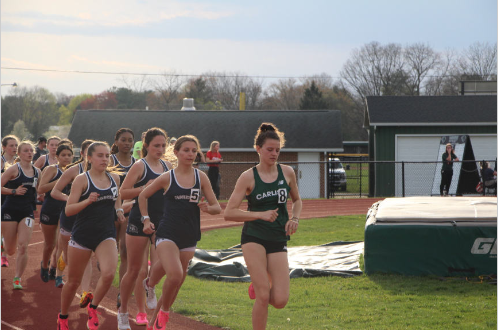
point(304, 130)
point(430, 110)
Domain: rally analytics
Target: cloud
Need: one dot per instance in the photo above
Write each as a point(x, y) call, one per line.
point(110, 13)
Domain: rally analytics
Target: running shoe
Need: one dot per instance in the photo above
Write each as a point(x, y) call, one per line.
point(43, 273)
point(151, 300)
point(59, 283)
point(5, 262)
point(17, 283)
point(123, 322)
point(141, 319)
point(161, 320)
point(118, 300)
point(61, 265)
point(93, 319)
point(51, 274)
point(150, 327)
point(62, 324)
point(252, 293)
point(86, 298)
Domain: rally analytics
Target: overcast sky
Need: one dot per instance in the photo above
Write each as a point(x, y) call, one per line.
point(259, 38)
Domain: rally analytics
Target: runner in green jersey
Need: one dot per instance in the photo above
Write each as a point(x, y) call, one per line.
point(267, 226)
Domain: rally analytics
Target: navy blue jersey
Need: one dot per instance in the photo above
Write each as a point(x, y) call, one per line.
point(45, 164)
point(181, 221)
point(51, 205)
point(29, 182)
point(3, 170)
point(155, 202)
point(97, 217)
point(65, 221)
point(122, 169)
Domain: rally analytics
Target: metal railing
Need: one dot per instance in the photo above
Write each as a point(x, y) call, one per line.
point(360, 179)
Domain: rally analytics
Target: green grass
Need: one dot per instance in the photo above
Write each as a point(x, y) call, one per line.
point(361, 302)
point(353, 175)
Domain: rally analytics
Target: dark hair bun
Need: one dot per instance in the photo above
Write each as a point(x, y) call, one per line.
point(266, 128)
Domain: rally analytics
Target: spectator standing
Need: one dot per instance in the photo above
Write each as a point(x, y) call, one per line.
point(137, 148)
point(40, 148)
point(447, 169)
point(213, 160)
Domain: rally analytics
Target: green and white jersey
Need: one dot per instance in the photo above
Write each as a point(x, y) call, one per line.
point(264, 197)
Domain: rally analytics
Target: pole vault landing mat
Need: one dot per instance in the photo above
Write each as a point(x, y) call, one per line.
point(332, 259)
point(443, 236)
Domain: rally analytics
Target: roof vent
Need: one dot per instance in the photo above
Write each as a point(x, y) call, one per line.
point(188, 105)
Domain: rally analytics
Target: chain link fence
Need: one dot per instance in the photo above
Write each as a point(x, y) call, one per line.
point(361, 179)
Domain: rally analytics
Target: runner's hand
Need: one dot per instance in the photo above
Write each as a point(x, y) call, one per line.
point(270, 215)
point(203, 205)
point(291, 227)
point(21, 190)
point(121, 216)
point(148, 227)
point(93, 197)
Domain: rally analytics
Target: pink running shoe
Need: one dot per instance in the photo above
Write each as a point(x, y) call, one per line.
point(161, 320)
point(62, 324)
point(93, 319)
point(252, 293)
point(141, 319)
point(5, 262)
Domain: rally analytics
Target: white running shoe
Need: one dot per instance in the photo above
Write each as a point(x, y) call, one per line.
point(123, 322)
point(151, 300)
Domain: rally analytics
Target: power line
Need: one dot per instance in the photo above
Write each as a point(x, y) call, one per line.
point(191, 75)
point(165, 74)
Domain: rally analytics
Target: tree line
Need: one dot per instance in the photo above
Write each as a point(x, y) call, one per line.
point(373, 69)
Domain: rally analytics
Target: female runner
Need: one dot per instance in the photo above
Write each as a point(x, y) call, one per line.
point(9, 153)
point(51, 209)
point(61, 192)
point(50, 158)
point(266, 223)
point(122, 159)
point(179, 229)
point(19, 183)
point(95, 200)
point(139, 234)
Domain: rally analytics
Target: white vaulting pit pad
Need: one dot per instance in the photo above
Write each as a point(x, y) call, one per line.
point(442, 236)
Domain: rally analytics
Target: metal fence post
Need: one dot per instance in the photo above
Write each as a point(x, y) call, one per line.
point(403, 177)
point(361, 172)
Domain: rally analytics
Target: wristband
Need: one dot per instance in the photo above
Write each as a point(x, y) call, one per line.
point(144, 217)
point(295, 219)
point(117, 210)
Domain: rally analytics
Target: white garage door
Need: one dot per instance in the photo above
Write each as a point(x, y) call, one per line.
point(419, 177)
point(308, 175)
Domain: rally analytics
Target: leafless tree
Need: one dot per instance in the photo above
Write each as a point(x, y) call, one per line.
point(420, 61)
point(168, 88)
point(375, 70)
point(444, 77)
point(478, 62)
point(284, 94)
point(138, 84)
point(227, 86)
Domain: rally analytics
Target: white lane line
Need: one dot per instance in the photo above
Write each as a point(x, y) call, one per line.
point(36, 243)
point(11, 326)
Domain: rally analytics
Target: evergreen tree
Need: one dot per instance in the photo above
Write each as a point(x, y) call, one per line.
point(312, 99)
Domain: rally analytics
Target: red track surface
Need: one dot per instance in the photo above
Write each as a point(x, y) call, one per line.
point(36, 306)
